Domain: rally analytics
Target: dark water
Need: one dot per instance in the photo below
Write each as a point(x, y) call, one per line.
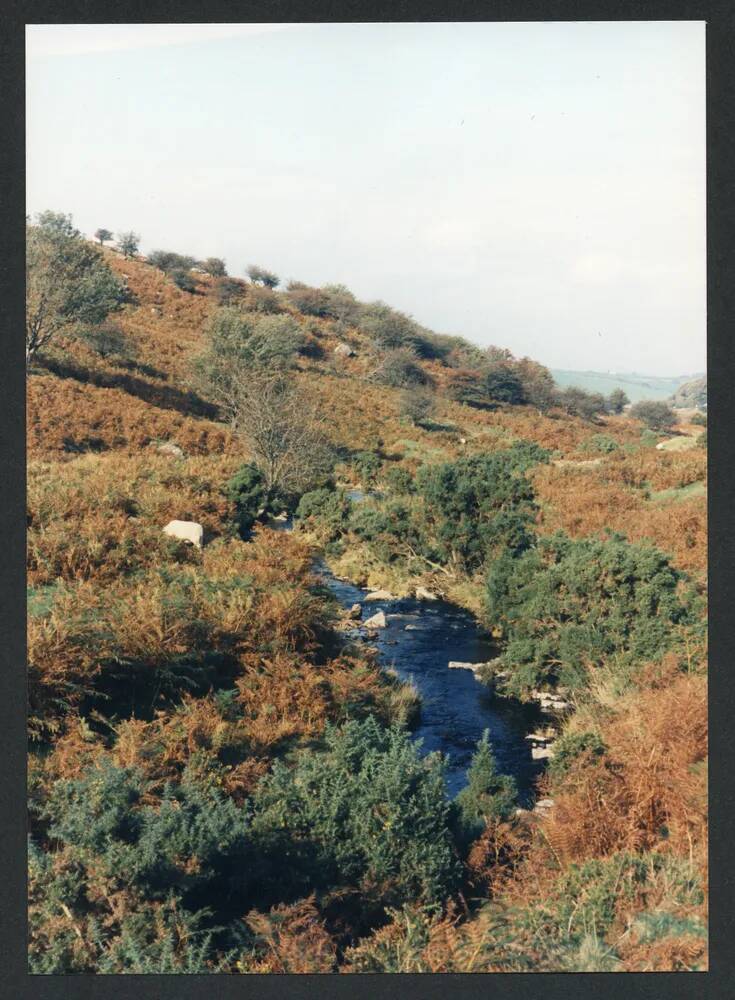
point(455, 708)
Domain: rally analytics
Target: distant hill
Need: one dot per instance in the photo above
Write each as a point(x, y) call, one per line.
point(692, 393)
point(635, 386)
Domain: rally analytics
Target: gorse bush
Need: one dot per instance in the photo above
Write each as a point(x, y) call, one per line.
point(368, 812)
point(487, 796)
point(247, 490)
point(566, 606)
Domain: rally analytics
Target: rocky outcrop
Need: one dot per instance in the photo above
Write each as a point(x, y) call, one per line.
point(380, 595)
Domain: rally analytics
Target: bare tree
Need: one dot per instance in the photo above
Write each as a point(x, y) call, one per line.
point(283, 430)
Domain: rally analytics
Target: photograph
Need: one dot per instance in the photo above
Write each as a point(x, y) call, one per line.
point(366, 487)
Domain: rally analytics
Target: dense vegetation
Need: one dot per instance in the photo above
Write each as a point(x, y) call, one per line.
point(220, 781)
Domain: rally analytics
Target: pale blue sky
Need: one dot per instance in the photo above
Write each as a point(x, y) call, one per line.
point(537, 186)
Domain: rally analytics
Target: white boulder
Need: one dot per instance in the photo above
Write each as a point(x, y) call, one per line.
point(380, 595)
point(377, 621)
point(169, 448)
point(186, 531)
point(344, 351)
point(422, 594)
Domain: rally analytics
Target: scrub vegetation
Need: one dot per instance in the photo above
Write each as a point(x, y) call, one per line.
point(219, 779)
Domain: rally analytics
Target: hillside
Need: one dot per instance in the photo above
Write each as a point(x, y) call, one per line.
point(222, 775)
point(636, 387)
point(691, 394)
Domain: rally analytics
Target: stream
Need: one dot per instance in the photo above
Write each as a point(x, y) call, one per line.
point(419, 641)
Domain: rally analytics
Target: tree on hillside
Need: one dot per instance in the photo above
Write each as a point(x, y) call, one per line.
point(617, 401)
point(128, 243)
point(260, 276)
point(239, 344)
point(502, 384)
point(655, 414)
point(580, 403)
point(283, 432)
point(103, 235)
point(168, 261)
point(68, 284)
point(214, 266)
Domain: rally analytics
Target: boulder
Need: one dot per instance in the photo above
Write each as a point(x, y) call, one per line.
point(459, 665)
point(422, 594)
point(169, 448)
point(344, 351)
point(186, 531)
point(543, 806)
point(377, 621)
point(541, 753)
point(355, 612)
point(380, 595)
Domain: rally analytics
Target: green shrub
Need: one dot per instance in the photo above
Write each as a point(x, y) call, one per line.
point(400, 370)
point(700, 419)
point(110, 340)
point(399, 480)
point(367, 466)
point(602, 443)
point(655, 414)
point(183, 280)
point(368, 812)
point(568, 605)
point(326, 509)
point(488, 795)
point(570, 747)
point(246, 489)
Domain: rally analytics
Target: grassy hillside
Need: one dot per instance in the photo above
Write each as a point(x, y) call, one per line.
point(221, 781)
point(636, 387)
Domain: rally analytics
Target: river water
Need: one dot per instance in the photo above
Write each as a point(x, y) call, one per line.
point(419, 641)
point(455, 708)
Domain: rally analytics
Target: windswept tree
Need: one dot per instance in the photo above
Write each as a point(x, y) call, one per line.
point(128, 243)
point(102, 236)
point(214, 266)
point(259, 276)
point(68, 284)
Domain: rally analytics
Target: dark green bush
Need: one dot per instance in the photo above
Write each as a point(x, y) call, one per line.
point(246, 489)
point(368, 812)
point(602, 443)
point(399, 480)
point(570, 747)
point(655, 414)
point(367, 466)
point(326, 509)
point(568, 605)
point(487, 795)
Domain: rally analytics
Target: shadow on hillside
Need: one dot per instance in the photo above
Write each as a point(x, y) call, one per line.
point(166, 397)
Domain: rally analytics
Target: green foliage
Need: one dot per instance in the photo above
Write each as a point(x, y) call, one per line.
point(617, 401)
point(103, 236)
point(246, 489)
point(214, 266)
point(487, 795)
point(601, 443)
point(368, 812)
point(328, 509)
point(580, 403)
point(159, 857)
point(655, 414)
point(128, 243)
point(503, 385)
point(183, 280)
point(476, 505)
point(260, 276)
point(68, 284)
point(567, 605)
point(570, 747)
point(400, 370)
point(109, 339)
point(367, 466)
point(170, 262)
point(649, 438)
point(399, 480)
point(700, 419)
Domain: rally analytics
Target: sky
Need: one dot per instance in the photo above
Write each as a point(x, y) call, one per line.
point(538, 186)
